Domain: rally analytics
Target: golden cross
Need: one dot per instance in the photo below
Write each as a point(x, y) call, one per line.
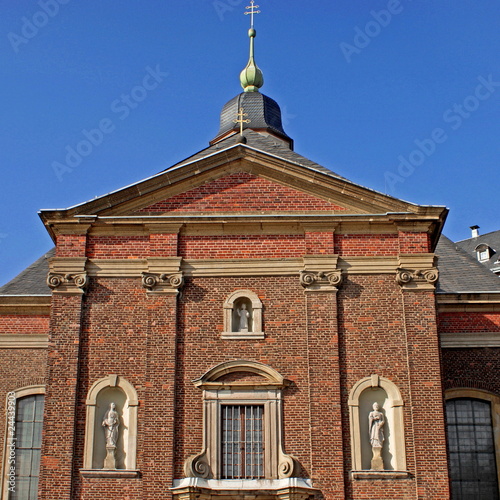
point(252, 11)
point(240, 120)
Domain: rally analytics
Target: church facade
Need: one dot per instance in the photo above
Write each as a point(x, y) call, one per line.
point(248, 324)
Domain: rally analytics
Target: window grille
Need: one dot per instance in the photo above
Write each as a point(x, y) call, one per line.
point(242, 442)
point(473, 467)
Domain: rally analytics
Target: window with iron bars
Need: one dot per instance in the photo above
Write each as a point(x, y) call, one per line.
point(242, 446)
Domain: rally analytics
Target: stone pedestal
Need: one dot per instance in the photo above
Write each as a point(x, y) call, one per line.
point(377, 462)
point(110, 460)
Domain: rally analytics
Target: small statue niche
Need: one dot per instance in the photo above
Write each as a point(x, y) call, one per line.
point(242, 316)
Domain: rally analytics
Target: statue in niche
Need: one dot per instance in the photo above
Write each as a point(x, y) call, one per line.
point(110, 423)
point(376, 423)
point(243, 314)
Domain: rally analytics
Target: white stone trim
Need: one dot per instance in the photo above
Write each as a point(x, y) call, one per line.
point(395, 421)
point(20, 341)
point(256, 316)
point(469, 339)
point(130, 407)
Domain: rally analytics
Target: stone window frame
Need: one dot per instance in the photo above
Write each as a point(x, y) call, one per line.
point(257, 332)
point(268, 393)
point(91, 405)
point(494, 400)
point(396, 424)
point(30, 390)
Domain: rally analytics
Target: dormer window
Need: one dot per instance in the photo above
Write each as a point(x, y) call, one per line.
point(483, 252)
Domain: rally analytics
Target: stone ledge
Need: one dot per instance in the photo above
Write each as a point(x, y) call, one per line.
point(379, 474)
point(24, 341)
point(242, 336)
point(117, 473)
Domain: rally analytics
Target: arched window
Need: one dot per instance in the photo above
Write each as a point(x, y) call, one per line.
point(117, 392)
point(23, 443)
point(473, 424)
point(364, 394)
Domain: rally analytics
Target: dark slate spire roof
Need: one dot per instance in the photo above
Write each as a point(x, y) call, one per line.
point(31, 281)
point(459, 272)
point(262, 111)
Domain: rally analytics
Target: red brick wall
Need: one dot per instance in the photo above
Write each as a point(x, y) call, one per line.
point(242, 246)
point(366, 244)
point(456, 322)
point(118, 247)
point(70, 245)
point(242, 192)
point(319, 243)
point(14, 324)
point(414, 242)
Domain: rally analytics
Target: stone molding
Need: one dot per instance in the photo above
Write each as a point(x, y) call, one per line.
point(292, 488)
point(131, 268)
point(379, 474)
point(417, 271)
point(163, 283)
point(13, 341)
point(28, 305)
point(117, 473)
point(163, 275)
point(229, 333)
point(277, 464)
point(320, 273)
point(67, 283)
point(468, 302)
point(67, 275)
point(469, 339)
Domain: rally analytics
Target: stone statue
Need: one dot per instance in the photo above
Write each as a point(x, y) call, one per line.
point(243, 315)
point(376, 423)
point(110, 423)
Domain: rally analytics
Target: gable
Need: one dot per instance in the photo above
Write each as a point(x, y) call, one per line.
point(241, 192)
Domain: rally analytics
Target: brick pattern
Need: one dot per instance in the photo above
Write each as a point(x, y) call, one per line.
point(70, 245)
point(366, 245)
point(24, 324)
point(118, 247)
point(59, 417)
point(241, 246)
point(163, 245)
point(242, 192)
point(318, 243)
point(456, 322)
point(414, 242)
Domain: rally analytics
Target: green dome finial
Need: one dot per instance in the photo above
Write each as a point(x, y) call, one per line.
point(251, 77)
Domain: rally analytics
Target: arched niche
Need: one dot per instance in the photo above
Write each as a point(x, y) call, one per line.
point(361, 398)
point(239, 306)
point(111, 389)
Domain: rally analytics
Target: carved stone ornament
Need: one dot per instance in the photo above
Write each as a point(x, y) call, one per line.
point(311, 278)
point(55, 280)
point(406, 276)
point(162, 282)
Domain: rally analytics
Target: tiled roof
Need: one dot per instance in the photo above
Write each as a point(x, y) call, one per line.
point(492, 240)
point(262, 142)
point(459, 272)
point(31, 281)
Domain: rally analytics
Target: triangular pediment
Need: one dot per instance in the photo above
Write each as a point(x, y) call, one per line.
point(240, 179)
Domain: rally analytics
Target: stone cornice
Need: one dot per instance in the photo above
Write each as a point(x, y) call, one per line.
point(469, 339)
point(320, 273)
point(24, 341)
point(417, 271)
point(468, 302)
point(163, 275)
point(29, 305)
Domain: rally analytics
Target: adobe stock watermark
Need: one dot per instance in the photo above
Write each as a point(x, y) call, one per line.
point(3, 236)
point(122, 108)
point(363, 37)
point(32, 25)
point(454, 117)
point(11, 441)
point(223, 6)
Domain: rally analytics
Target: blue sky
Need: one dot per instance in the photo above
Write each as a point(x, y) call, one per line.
point(401, 96)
